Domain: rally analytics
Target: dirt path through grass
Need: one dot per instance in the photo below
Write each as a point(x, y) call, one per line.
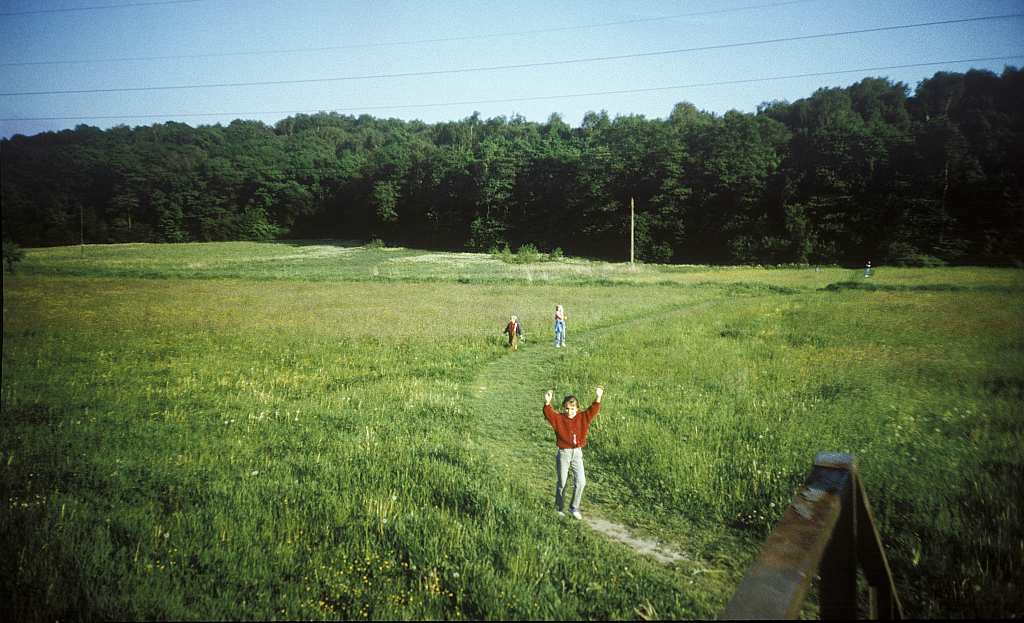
point(521, 445)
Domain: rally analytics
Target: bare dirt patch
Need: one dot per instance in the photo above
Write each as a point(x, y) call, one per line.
point(648, 547)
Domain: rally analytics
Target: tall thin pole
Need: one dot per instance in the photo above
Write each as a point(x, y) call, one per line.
point(81, 227)
point(632, 229)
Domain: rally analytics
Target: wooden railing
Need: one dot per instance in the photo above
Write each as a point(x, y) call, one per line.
point(827, 531)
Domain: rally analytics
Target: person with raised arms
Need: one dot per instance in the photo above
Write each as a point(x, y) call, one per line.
point(571, 427)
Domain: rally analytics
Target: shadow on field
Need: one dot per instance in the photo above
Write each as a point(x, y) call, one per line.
point(929, 287)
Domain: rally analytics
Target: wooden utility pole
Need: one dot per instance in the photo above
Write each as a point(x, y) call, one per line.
point(632, 229)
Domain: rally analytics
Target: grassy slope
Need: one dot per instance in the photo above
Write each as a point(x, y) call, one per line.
point(521, 446)
point(237, 448)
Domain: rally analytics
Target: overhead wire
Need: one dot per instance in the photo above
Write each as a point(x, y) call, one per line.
point(351, 46)
point(516, 65)
point(97, 7)
point(539, 97)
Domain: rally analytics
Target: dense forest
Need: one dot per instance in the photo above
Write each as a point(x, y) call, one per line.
point(868, 172)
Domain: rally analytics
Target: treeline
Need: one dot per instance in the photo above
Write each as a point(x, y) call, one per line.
point(871, 171)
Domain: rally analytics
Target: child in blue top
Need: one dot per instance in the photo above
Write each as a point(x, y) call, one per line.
point(559, 326)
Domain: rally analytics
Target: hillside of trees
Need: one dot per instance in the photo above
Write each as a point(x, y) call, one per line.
point(872, 171)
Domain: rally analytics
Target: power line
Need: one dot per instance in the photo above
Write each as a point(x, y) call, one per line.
point(517, 65)
point(411, 42)
point(538, 97)
point(97, 7)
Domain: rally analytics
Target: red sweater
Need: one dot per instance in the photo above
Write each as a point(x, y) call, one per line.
point(571, 433)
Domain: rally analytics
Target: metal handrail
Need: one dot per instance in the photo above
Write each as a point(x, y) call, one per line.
point(827, 531)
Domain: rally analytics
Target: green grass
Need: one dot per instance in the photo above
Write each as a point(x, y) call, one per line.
point(255, 431)
point(923, 390)
point(320, 260)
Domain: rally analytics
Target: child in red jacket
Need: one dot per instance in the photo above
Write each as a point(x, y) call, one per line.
point(515, 332)
point(571, 427)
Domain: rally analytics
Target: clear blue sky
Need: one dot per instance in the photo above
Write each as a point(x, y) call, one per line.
point(63, 45)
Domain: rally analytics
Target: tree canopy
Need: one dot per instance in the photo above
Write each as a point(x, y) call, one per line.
point(870, 171)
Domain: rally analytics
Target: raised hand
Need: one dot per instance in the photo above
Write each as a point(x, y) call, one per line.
point(600, 392)
point(548, 395)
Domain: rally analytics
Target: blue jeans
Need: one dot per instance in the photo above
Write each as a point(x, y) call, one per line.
point(559, 333)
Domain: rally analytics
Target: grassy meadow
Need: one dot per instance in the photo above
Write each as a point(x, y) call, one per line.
point(330, 431)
